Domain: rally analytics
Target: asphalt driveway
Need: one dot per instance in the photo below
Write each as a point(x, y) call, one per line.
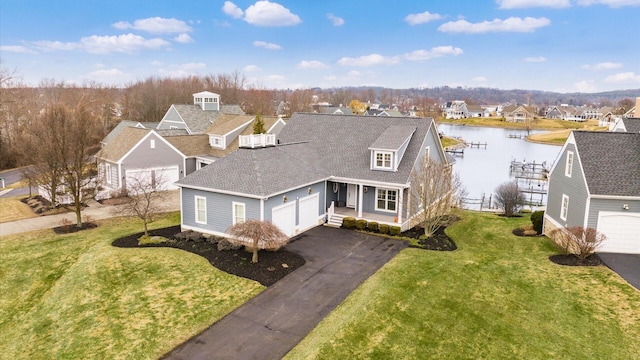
point(626, 265)
point(272, 323)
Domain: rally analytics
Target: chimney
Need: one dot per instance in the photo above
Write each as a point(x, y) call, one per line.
point(637, 112)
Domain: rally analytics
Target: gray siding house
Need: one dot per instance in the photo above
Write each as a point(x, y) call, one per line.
point(595, 182)
point(322, 168)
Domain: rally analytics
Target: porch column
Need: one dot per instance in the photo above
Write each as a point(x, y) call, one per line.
point(360, 192)
point(400, 198)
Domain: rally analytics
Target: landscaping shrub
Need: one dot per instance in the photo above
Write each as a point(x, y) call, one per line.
point(349, 222)
point(372, 226)
point(361, 224)
point(537, 219)
point(530, 233)
point(395, 230)
point(577, 240)
point(384, 229)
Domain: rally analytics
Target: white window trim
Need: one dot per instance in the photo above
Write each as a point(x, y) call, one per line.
point(383, 153)
point(427, 152)
point(233, 212)
point(212, 139)
point(564, 210)
point(568, 166)
point(172, 127)
point(152, 143)
point(386, 200)
point(107, 171)
point(204, 199)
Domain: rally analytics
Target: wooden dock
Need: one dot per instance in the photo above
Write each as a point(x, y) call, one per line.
point(476, 144)
point(516, 136)
point(457, 149)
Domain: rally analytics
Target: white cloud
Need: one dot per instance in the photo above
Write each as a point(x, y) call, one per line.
point(128, 43)
point(180, 70)
point(626, 77)
point(535, 59)
point(353, 73)
point(610, 3)
point(275, 77)
point(369, 60)
point(602, 66)
point(480, 79)
point(107, 73)
point(251, 68)
point(585, 86)
point(183, 38)
point(435, 52)
point(17, 49)
point(421, 18)
point(46, 45)
point(312, 64)
point(267, 45)
point(155, 25)
point(266, 13)
point(156, 63)
point(512, 24)
point(232, 10)
point(336, 21)
point(521, 4)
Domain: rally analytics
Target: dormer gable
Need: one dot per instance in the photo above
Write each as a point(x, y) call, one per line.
point(207, 100)
point(388, 149)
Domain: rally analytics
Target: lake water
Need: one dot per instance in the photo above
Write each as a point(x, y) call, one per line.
point(482, 170)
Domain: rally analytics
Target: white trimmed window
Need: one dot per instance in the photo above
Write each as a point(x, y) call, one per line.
point(238, 213)
point(568, 168)
point(383, 160)
point(565, 207)
point(215, 141)
point(107, 173)
point(201, 210)
point(386, 200)
point(152, 143)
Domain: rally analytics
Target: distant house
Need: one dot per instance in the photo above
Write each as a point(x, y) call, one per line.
point(519, 113)
point(332, 110)
point(594, 183)
point(321, 168)
point(475, 111)
point(125, 124)
point(455, 110)
point(631, 125)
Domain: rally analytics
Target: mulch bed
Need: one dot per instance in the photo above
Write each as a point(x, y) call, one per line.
point(572, 260)
point(439, 241)
point(271, 266)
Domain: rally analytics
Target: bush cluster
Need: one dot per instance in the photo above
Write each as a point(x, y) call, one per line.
point(384, 229)
point(373, 226)
point(361, 224)
point(349, 222)
point(536, 219)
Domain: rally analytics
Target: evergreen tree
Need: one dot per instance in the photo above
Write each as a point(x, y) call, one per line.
point(258, 125)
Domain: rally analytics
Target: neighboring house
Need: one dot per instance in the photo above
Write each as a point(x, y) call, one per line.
point(455, 110)
point(631, 125)
point(332, 110)
point(475, 111)
point(519, 113)
point(594, 183)
point(321, 168)
point(196, 118)
point(125, 124)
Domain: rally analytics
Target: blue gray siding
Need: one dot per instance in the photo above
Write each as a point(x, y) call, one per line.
point(219, 210)
point(228, 138)
point(612, 205)
point(573, 186)
point(171, 119)
point(162, 156)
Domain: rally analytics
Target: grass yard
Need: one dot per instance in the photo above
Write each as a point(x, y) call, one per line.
point(12, 209)
point(496, 297)
point(77, 297)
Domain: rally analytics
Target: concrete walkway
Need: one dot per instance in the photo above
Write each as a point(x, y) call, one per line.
point(95, 211)
point(272, 323)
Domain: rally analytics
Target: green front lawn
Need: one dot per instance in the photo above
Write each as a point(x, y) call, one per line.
point(496, 297)
point(77, 297)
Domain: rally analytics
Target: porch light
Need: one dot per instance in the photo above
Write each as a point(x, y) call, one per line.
point(284, 198)
point(366, 189)
point(310, 190)
point(625, 206)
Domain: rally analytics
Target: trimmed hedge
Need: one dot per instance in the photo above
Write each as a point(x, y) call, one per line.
point(361, 224)
point(536, 219)
point(395, 230)
point(349, 222)
point(372, 226)
point(384, 229)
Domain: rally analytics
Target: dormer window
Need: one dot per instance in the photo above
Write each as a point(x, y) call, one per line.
point(216, 141)
point(383, 160)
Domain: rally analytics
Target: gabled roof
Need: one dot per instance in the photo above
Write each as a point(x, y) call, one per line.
point(124, 124)
point(610, 161)
point(393, 137)
point(199, 120)
point(225, 123)
point(190, 145)
point(122, 143)
point(632, 124)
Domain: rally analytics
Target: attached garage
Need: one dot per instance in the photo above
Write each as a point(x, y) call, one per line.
point(284, 217)
point(622, 231)
point(308, 214)
point(160, 178)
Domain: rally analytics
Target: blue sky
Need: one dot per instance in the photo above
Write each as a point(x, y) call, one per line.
point(555, 45)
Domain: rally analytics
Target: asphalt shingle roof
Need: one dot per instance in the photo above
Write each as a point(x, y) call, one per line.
point(632, 125)
point(610, 161)
point(122, 143)
point(393, 137)
point(313, 147)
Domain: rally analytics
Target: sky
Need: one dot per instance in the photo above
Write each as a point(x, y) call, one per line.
point(553, 45)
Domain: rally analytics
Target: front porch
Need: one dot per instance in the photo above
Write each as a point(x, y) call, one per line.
point(336, 214)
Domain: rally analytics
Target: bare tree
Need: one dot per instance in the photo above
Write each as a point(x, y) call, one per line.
point(262, 234)
point(578, 240)
point(146, 196)
point(435, 190)
point(509, 198)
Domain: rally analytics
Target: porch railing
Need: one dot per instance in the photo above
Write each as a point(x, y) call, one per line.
point(331, 210)
point(257, 140)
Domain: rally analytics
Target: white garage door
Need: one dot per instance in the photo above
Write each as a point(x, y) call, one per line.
point(622, 231)
point(284, 217)
point(308, 214)
point(160, 178)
